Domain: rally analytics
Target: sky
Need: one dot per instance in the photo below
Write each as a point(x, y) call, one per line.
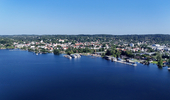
point(84, 17)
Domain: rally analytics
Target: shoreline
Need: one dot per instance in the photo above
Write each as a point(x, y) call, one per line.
point(84, 54)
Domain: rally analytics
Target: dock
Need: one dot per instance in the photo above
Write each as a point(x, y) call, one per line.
point(72, 56)
point(122, 61)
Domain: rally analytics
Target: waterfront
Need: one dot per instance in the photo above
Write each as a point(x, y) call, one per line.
point(26, 76)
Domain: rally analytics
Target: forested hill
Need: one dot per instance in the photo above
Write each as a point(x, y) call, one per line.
point(157, 38)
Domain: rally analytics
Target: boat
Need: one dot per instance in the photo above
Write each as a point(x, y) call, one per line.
point(67, 56)
point(120, 60)
point(36, 53)
point(73, 55)
point(78, 55)
point(108, 58)
point(168, 68)
point(134, 64)
point(114, 59)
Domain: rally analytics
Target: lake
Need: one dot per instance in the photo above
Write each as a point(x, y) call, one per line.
point(26, 76)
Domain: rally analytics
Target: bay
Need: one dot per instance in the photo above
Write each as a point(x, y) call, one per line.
point(26, 76)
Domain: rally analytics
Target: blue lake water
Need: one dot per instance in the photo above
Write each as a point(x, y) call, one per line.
point(25, 76)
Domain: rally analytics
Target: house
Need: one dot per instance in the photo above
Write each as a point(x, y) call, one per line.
point(167, 49)
point(156, 45)
point(65, 48)
point(41, 41)
point(131, 45)
point(32, 47)
point(107, 46)
point(61, 40)
point(44, 47)
point(100, 53)
point(159, 48)
point(20, 45)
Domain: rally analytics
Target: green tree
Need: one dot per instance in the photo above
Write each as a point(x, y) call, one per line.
point(102, 55)
point(160, 63)
point(70, 52)
point(159, 58)
point(56, 51)
point(104, 45)
point(169, 60)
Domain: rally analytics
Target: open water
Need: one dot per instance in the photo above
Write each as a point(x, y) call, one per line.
point(26, 76)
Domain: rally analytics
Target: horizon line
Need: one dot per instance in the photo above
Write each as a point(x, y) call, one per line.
point(88, 34)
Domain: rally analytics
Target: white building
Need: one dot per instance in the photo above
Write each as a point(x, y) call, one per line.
point(167, 49)
point(32, 42)
point(125, 44)
point(160, 48)
point(20, 45)
point(32, 47)
point(131, 45)
point(41, 41)
point(61, 40)
point(156, 45)
point(139, 43)
point(107, 46)
point(42, 47)
point(15, 43)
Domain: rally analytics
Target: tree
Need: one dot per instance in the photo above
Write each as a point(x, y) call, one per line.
point(150, 49)
point(70, 52)
point(102, 55)
point(104, 45)
point(101, 49)
point(56, 51)
point(160, 63)
point(169, 60)
point(58, 46)
point(118, 53)
point(44, 50)
point(159, 58)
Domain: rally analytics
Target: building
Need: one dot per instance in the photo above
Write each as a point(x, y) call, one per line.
point(20, 45)
point(167, 49)
point(131, 45)
point(41, 41)
point(32, 47)
point(160, 48)
point(156, 45)
point(61, 40)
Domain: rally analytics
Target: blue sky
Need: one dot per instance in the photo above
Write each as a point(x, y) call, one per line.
point(84, 17)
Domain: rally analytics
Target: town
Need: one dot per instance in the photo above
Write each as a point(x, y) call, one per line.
point(143, 50)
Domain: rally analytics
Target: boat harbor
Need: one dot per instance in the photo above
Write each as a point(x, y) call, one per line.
point(113, 59)
point(72, 56)
point(127, 61)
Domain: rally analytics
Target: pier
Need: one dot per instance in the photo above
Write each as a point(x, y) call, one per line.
point(72, 56)
point(128, 62)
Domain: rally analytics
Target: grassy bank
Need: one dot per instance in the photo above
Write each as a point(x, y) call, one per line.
point(154, 62)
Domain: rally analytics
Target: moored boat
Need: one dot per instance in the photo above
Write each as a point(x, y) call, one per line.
point(68, 56)
point(73, 55)
point(114, 59)
point(78, 55)
point(168, 68)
